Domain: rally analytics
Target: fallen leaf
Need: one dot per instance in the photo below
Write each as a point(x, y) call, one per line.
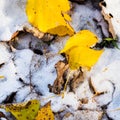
point(24, 111)
point(58, 85)
point(1, 77)
point(108, 19)
point(34, 31)
point(45, 113)
point(78, 51)
point(2, 115)
point(50, 16)
point(77, 77)
point(67, 115)
point(84, 100)
point(65, 76)
point(14, 34)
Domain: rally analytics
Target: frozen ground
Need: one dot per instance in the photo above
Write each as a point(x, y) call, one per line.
point(28, 66)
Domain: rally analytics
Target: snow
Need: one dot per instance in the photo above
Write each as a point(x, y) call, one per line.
point(4, 54)
point(84, 17)
point(46, 75)
point(12, 17)
point(22, 61)
point(70, 99)
point(22, 93)
point(58, 103)
point(105, 78)
point(84, 115)
point(9, 84)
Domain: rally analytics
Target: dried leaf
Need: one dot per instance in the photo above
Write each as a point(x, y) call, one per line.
point(24, 111)
point(63, 73)
point(50, 16)
point(110, 12)
point(45, 113)
point(58, 85)
point(15, 34)
point(107, 17)
point(78, 51)
point(76, 79)
point(34, 31)
point(2, 115)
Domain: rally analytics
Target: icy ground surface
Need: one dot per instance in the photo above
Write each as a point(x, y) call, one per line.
point(27, 73)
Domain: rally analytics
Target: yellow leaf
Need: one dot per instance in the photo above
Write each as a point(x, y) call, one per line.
point(24, 111)
point(78, 51)
point(45, 113)
point(1, 77)
point(50, 16)
point(67, 17)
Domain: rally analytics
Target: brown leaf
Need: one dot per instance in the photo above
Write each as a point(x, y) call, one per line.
point(61, 67)
point(84, 100)
point(34, 31)
point(108, 19)
point(15, 34)
point(2, 115)
point(75, 78)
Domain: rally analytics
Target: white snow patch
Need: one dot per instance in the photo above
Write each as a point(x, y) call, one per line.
point(22, 60)
point(12, 17)
point(45, 75)
point(71, 100)
point(59, 104)
point(55, 47)
point(22, 93)
point(83, 18)
point(84, 115)
point(4, 53)
point(105, 78)
point(9, 84)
